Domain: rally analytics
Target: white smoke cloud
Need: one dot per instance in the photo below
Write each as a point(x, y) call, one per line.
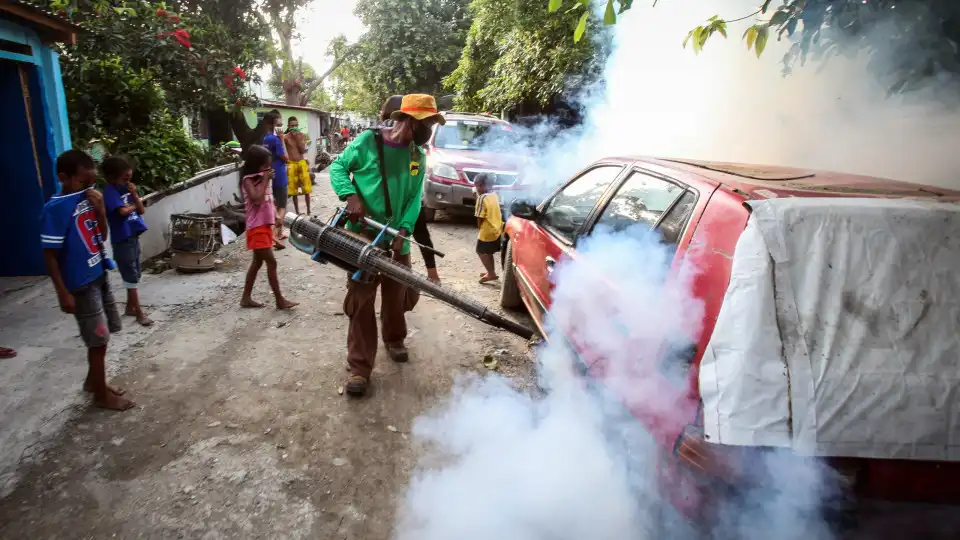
point(725, 104)
point(579, 461)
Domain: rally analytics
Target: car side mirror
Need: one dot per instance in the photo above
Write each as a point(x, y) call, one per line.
point(523, 210)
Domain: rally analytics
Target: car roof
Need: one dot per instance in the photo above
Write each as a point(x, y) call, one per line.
point(450, 115)
point(767, 181)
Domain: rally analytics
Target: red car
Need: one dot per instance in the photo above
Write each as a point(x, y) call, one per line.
point(704, 204)
point(467, 145)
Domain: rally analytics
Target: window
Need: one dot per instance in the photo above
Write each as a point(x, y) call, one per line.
point(671, 226)
point(644, 199)
point(474, 135)
point(566, 213)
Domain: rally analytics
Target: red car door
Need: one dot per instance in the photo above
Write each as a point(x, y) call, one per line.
point(560, 220)
point(666, 207)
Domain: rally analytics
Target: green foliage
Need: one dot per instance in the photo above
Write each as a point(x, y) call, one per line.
point(409, 47)
point(518, 53)
point(140, 63)
point(163, 153)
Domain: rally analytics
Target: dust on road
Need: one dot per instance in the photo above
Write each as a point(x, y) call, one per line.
point(241, 432)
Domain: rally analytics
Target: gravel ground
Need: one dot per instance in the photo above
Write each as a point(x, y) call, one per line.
point(240, 430)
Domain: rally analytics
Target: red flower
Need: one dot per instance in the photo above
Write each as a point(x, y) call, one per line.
point(159, 36)
point(240, 73)
point(238, 102)
point(162, 13)
point(174, 19)
point(183, 38)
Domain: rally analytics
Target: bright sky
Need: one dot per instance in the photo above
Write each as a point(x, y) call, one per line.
point(322, 21)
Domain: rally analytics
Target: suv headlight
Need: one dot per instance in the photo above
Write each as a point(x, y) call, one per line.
point(444, 171)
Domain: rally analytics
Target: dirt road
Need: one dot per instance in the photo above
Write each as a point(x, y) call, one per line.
point(241, 432)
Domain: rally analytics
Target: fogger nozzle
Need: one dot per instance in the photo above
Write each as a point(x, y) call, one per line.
point(314, 237)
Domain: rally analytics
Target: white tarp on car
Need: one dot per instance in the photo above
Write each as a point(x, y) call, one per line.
point(840, 331)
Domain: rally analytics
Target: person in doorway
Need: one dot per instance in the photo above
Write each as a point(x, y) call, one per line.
point(489, 224)
point(421, 234)
point(124, 213)
point(73, 230)
point(389, 194)
point(298, 170)
point(257, 188)
point(273, 141)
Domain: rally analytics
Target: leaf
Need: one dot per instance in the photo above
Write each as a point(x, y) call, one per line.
point(721, 26)
point(696, 39)
point(751, 36)
point(762, 35)
point(689, 36)
point(610, 17)
point(779, 18)
point(555, 5)
point(581, 27)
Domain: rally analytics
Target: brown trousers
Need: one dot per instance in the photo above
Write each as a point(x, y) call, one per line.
point(360, 305)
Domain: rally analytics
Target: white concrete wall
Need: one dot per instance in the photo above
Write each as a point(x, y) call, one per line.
point(219, 185)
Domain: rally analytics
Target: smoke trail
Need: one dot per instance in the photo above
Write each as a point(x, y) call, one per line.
point(582, 461)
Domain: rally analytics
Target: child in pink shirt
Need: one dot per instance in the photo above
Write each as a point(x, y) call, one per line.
point(256, 186)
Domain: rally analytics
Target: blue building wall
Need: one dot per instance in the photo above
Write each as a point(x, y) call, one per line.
point(20, 246)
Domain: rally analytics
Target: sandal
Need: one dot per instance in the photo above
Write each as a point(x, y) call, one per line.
point(486, 278)
point(7, 353)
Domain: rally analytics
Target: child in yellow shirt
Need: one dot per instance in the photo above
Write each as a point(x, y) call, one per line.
point(490, 224)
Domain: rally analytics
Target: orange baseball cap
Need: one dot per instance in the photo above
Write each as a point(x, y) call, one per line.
point(420, 107)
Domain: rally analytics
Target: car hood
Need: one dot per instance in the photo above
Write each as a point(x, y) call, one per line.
point(476, 159)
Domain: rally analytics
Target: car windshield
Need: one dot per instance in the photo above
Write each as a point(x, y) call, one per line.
point(473, 135)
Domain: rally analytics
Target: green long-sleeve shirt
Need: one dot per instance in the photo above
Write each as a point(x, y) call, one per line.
point(360, 159)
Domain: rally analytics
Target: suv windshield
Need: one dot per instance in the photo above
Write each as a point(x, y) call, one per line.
point(473, 135)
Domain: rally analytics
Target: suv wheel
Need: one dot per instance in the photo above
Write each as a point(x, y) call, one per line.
point(509, 290)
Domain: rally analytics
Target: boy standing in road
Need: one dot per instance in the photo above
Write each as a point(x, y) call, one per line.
point(73, 233)
point(124, 211)
point(490, 225)
point(273, 141)
point(298, 170)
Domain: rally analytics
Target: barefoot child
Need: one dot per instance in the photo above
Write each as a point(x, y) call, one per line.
point(257, 188)
point(490, 224)
point(124, 211)
point(73, 233)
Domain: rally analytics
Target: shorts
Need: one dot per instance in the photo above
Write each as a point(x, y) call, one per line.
point(298, 178)
point(488, 248)
point(127, 255)
point(280, 197)
point(260, 237)
point(96, 312)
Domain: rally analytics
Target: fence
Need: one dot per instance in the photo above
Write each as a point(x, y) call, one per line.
point(200, 194)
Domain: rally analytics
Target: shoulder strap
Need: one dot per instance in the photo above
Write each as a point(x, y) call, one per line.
point(378, 138)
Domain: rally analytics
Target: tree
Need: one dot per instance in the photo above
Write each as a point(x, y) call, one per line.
point(409, 47)
point(518, 54)
point(138, 66)
point(910, 41)
point(297, 82)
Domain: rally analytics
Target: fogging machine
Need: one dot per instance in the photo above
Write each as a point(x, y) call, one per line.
point(365, 261)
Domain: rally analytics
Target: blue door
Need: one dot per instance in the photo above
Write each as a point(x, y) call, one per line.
point(26, 164)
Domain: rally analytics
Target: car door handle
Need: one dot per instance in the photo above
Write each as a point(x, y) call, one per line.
point(551, 262)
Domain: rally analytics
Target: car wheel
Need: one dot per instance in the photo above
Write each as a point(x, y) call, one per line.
point(429, 214)
point(509, 289)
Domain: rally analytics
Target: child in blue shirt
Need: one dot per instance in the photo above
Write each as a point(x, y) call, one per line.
point(73, 233)
point(124, 211)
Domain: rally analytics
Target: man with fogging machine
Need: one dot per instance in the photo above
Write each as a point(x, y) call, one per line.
point(387, 168)
point(421, 234)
